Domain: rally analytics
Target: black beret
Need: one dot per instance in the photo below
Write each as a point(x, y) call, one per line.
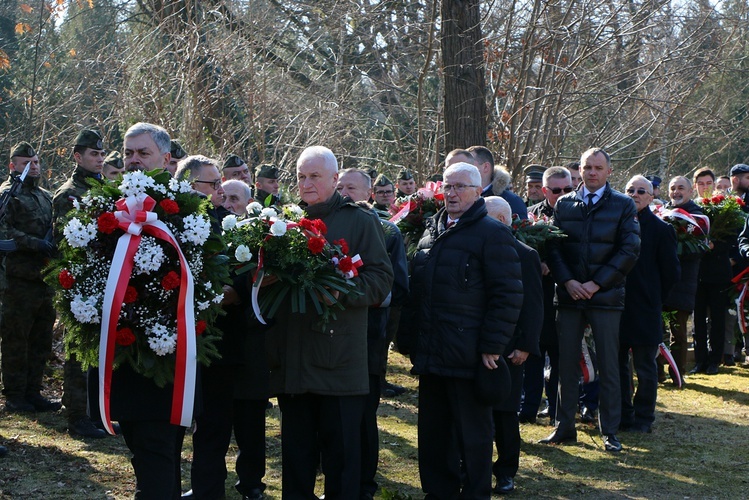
point(233, 161)
point(114, 159)
point(534, 173)
point(177, 151)
point(88, 138)
point(267, 171)
point(740, 168)
point(405, 175)
point(22, 149)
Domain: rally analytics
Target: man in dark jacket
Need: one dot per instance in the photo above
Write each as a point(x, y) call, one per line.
point(590, 267)
point(483, 158)
point(656, 271)
point(320, 372)
point(466, 290)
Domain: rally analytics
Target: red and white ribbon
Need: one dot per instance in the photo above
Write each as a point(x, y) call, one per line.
point(700, 221)
point(135, 216)
point(741, 298)
point(403, 212)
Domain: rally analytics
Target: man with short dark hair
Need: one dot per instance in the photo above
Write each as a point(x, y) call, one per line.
point(590, 266)
point(704, 181)
point(574, 168)
point(266, 184)
point(147, 147)
point(484, 161)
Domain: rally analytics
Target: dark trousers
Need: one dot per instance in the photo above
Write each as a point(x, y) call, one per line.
point(639, 409)
point(711, 300)
point(75, 390)
point(212, 435)
point(507, 427)
point(570, 327)
point(315, 426)
point(249, 431)
point(156, 446)
point(370, 439)
point(452, 425)
point(534, 382)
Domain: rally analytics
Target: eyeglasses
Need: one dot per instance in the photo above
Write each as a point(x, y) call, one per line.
point(214, 184)
point(459, 188)
point(389, 191)
point(567, 189)
point(639, 191)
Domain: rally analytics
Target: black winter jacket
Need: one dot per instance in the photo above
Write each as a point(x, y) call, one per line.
point(602, 245)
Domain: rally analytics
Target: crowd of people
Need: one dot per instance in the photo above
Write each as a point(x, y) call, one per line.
point(481, 315)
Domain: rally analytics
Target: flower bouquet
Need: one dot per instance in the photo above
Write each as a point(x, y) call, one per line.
point(294, 250)
point(535, 232)
point(408, 213)
point(726, 216)
point(691, 229)
point(140, 281)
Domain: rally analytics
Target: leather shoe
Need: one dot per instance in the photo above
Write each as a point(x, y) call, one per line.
point(559, 437)
point(3, 451)
point(526, 418)
point(84, 427)
point(255, 494)
point(505, 484)
point(698, 368)
point(712, 369)
point(40, 403)
point(17, 405)
point(587, 416)
point(392, 390)
point(611, 443)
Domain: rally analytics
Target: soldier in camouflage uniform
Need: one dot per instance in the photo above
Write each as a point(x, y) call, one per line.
point(89, 156)
point(27, 311)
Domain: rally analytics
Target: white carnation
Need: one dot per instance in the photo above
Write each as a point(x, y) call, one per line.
point(268, 212)
point(295, 210)
point(135, 183)
point(229, 222)
point(79, 234)
point(254, 207)
point(197, 230)
point(161, 340)
point(149, 256)
point(242, 253)
point(278, 228)
point(85, 310)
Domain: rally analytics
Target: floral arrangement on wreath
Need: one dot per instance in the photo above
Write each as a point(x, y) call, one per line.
point(283, 243)
point(140, 280)
point(725, 214)
point(409, 213)
point(691, 229)
point(739, 293)
point(536, 231)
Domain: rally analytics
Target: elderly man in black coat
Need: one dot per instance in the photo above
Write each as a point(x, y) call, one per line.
point(466, 290)
point(590, 266)
point(656, 271)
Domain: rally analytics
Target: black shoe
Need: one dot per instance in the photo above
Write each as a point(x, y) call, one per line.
point(40, 403)
point(728, 360)
point(588, 416)
point(559, 437)
point(611, 443)
point(712, 369)
point(525, 418)
point(392, 390)
point(84, 427)
point(3, 451)
point(115, 427)
point(505, 484)
point(698, 368)
point(18, 405)
point(255, 494)
point(641, 428)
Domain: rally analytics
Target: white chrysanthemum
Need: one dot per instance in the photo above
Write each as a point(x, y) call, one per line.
point(85, 310)
point(278, 228)
point(197, 230)
point(161, 340)
point(79, 234)
point(229, 222)
point(135, 183)
point(159, 188)
point(268, 212)
point(242, 253)
point(295, 210)
point(179, 186)
point(149, 256)
point(254, 208)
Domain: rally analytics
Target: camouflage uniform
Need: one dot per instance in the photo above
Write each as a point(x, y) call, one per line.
point(75, 383)
point(27, 311)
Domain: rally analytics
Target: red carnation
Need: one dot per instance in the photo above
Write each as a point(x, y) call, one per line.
point(718, 198)
point(307, 224)
point(346, 264)
point(170, 281)
point(169, 206)
point(740, 201)
point(316, 245)
point(107, 223)
point(125, 337)
point(342, 243)
point(705, 201)
point(320, 226)
point(200, 327)
point(66, 279)
point(131, 295)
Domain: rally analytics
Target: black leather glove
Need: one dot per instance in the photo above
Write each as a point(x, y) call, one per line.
point(44, 247)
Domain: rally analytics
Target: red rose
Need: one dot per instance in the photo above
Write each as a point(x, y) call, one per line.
point(170, 281)
point(307, 224)
point(125, 337)
point(346, 264)
point(316, 245)
point(169, 206)
point(66, 279)
point(342, 243)
point(320, 226)
point(718, 198)
point(200, 327)
point(739, 201)
point(107, 223)
point(705, 201)
point(131, 295)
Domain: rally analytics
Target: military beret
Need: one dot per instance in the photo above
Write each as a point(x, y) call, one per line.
point(267, 171)
point(177, 151)
point(405, 175)
point(436, 178)
point(88, 138)
point(654, 180)
point(22, 149)
point(534, 173)
point(114, 159)
point(382, 180)
point(232, 161)
point(740, 168)
point(372, 172)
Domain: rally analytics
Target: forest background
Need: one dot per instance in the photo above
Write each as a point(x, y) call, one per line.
point(661, 84)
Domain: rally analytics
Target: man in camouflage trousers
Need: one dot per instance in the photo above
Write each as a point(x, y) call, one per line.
point(89, 155)
point(27, 312)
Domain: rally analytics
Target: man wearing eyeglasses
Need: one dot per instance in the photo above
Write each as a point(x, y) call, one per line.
point(203, 173)
point(590, 266)
point(641, 330)
point(384, 193)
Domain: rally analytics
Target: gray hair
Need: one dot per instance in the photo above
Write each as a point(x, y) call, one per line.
point(689, 183)
point(556, 173)
point(244, 188)
point(159, 135)
point(498, 207)
point(321, 152)
point(644, 179)
point(364, 175)
point(471, 170)
point(500, 180)
point(189, 167)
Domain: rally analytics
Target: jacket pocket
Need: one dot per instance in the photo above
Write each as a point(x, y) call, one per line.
point(332, 348)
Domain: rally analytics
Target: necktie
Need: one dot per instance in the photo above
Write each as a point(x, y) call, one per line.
point(450, 224)
point(590, 199)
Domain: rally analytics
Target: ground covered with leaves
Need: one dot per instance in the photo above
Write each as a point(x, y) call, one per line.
point(697, 450)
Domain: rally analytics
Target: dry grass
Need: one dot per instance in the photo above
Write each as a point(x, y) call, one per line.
point(697, 450)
